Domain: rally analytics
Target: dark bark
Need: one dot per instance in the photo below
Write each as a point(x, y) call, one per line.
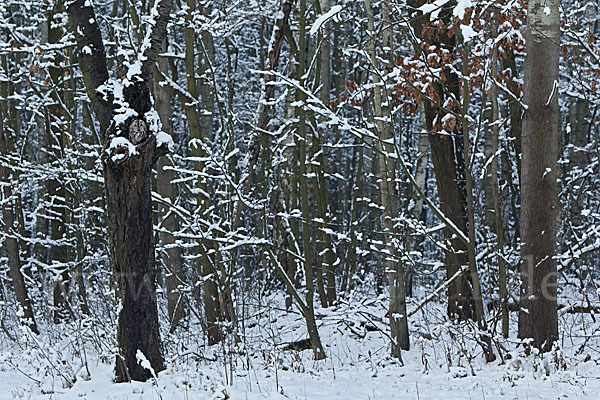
point(448, 164)
point(91, 63)
point(128, 192)
point(444, 151)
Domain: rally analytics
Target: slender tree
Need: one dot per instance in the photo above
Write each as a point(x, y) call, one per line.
point(447, 155)
point(172, 260)
point(11, 243)
point(388, 192)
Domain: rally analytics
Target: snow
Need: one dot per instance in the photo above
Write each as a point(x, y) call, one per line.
point(444, 362)
point(323, 18)
point(467, 32)
point(144, 362)
point(120, 142)
point(163, 138)
point(461, 7)
point(134, 71)
point(433, 8)
point(124, 111)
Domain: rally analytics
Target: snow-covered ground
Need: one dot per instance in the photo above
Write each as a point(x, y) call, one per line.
point(444, 362)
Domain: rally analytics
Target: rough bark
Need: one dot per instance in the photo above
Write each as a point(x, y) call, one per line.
point(128, 191)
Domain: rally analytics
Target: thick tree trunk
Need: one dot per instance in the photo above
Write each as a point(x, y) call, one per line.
point(128, 191)
point(449, 181)
point(539, 205)
point(131, 151)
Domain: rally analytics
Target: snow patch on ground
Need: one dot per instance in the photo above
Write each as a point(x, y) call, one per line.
point(444, 361)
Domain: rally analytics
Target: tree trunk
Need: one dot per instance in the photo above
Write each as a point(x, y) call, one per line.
point(304, 195)
point(494, 218)
point(331, 257)
point(580, 115)
point(417, 201)
point(538, 317)
point(58, 196)
point(213, 294)
point(486, 342)
point(131, 151)
point(386, 169)
point(448, 163)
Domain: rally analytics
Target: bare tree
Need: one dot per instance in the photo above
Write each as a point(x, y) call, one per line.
point(133, 143)
point(11, 243)
point(388, 192)
point(538, 318)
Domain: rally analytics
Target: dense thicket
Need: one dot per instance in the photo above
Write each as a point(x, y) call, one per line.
point(319, 149)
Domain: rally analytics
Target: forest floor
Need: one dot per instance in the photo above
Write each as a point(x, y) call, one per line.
point(444, 362)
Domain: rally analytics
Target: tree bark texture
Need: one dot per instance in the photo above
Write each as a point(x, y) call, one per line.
point(538, 317)
point(128, 186)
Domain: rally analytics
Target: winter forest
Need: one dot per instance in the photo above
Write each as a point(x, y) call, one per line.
point(299, 199)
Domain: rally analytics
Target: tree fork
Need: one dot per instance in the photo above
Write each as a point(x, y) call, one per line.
point(128, 189)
